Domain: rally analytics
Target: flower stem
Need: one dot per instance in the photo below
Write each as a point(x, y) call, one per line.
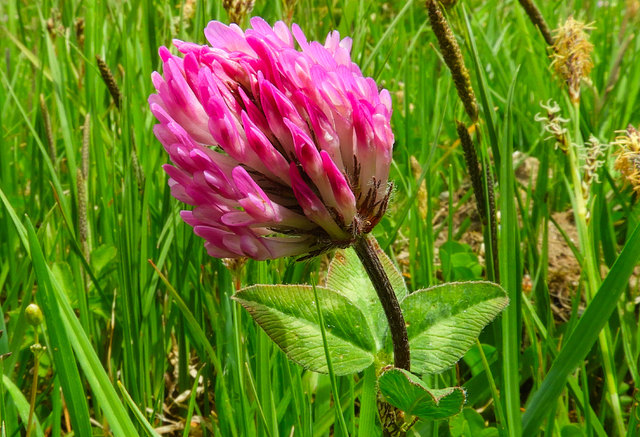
point(34, 386)
point(365, 247)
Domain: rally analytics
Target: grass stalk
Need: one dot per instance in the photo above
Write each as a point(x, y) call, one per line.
point(332, 376)
point(593, 280)
point(37, 349)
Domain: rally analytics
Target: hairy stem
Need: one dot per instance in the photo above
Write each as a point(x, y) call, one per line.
point(365, 248)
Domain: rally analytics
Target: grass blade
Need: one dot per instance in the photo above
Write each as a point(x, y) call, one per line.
point(136, 411)
point(509, 243)
point(66, 329)
point(21, 403)
point(584, 335)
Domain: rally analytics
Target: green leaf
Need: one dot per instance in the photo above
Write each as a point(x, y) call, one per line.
point(407, 392)
point(101, 257)
point(459, 262)
point(65, 331)
point(60, 342)
point(571, 430)
point(473, 358)
point(136, 411)
point(63, 275)
point(469, 423)
point(443, 322)
point(347, 276)
point(288, 314)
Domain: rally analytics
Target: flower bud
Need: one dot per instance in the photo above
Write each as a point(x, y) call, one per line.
point(33, 314)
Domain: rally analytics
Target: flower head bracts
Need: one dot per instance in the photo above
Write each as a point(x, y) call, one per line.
point(281, 151)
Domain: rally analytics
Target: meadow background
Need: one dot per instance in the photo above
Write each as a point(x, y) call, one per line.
point(133, 349)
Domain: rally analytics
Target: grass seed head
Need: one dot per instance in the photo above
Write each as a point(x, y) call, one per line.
point(238, 9)
point(453, 58)
point(110, 81)
point(628, 156)
point(571, 57)
point(554, 124)
point(593, 157)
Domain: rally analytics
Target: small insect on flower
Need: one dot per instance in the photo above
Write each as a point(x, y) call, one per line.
point(628, 159)
point(571, 57)
point(281, 145)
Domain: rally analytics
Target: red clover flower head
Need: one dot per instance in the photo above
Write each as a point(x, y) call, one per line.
point(281, 145)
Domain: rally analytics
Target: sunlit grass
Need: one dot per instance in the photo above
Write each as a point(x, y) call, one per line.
point(142, 337)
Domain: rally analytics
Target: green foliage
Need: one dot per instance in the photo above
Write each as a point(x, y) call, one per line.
point(444, 321)
point(406, 391)
point(287, 313)
point(110, 318)
point(347, 276)
point(442, 324)
point(469, 423)
point(459, 262)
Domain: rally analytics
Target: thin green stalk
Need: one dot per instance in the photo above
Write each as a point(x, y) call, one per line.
point(581, 340)
point(573, 385)
point(34, 384)
point(593, 277)
point(332, 376)
point(254, 392)
point(367, 424)
point(492, 385)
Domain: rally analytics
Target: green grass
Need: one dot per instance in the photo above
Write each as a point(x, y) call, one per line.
point(142, 337)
